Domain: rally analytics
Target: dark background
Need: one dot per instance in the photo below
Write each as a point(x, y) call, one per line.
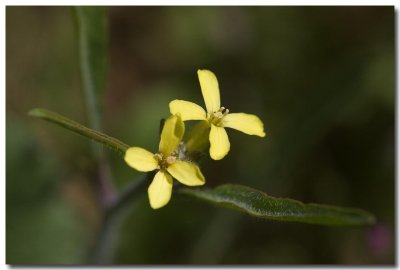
point(320, 78)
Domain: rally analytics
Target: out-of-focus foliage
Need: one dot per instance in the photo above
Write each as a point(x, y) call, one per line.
point(321, 79)
point(92, 31)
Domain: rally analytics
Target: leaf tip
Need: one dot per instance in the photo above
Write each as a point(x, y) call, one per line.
point(35, 112)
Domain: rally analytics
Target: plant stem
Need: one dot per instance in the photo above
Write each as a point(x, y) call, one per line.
point(128, 193)
point(102, 252)
point(92, 38)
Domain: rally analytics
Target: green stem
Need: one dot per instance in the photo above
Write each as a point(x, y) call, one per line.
point(104, 245)
point(92, 37)
point(128, 193)
point(103, 249)
point(73, 126)
point(92, 31)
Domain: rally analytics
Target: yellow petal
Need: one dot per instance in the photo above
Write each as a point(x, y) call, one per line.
point(210, 90)
point(247, 123)
point(140, 159)
point(187, 110)
point(219, 142)
point(171, 134)
point(160, 190)
point(187, 173)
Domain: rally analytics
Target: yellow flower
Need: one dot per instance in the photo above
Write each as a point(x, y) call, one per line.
point(166, 162)
point(217, 117)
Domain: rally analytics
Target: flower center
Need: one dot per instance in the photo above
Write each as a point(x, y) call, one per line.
point(164, 161)
point(216, 117)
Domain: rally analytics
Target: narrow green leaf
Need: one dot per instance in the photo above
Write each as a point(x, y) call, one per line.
point(259, 204)
point(67, 123)
point(92, 33)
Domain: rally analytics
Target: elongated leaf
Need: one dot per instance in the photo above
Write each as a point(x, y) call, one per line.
point(92, 30)
point(259, 204)
point(69, 124)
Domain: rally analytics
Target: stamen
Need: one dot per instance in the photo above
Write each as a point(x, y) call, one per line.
point(158, 156)
point(170, 160)
point(224, 111)
point(219, 114)
point(164, 162)
point(216, 117)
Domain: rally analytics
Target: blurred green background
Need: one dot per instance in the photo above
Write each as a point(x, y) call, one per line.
point(321, 79)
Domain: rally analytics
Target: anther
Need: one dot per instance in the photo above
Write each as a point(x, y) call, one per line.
point(171, 159)
point(158, 156)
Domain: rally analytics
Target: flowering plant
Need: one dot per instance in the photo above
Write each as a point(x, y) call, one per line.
point(175, 160)
point(177, 155)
